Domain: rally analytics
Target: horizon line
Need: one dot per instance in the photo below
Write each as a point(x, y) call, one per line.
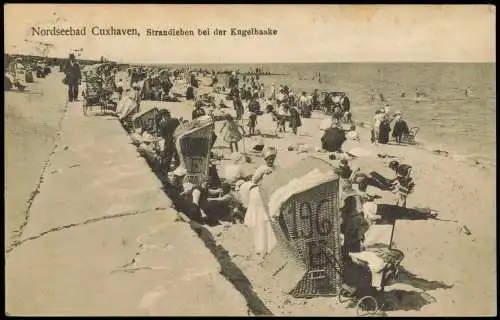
point(255, 62)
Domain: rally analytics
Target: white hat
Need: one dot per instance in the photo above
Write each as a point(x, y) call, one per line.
point(269, 151)
point(398, 112)
point(179, 172)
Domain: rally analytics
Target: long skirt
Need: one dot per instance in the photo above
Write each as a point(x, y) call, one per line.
point(127, 108)
point(375, 133)
point(384, 131)
point(257, 217)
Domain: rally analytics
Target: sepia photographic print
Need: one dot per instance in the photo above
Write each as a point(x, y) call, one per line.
point(250, 160)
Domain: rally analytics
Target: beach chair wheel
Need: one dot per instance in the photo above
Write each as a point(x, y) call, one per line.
point(367, 305)
point(345, 294)
point(341, 298)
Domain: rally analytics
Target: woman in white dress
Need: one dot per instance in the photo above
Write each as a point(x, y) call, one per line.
point(377, 120)
point(129, 102)
point(256, 215)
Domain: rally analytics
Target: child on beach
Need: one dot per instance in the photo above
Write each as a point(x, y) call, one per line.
point(403, 183)
point(294, 119)
point(283, 114)
point(233, 134)
point(252, 123)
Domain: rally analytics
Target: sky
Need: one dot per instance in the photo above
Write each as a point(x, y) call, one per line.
point(306, 33)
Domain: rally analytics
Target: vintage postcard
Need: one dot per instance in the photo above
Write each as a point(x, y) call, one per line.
point(250, 160)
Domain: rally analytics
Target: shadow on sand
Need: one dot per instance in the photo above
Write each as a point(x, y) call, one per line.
point(228, 268)
point(232, 272)
point(415, 281)
point(407, 300)
point(393, 298)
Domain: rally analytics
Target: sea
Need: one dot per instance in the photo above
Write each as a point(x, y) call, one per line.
point(447, 118)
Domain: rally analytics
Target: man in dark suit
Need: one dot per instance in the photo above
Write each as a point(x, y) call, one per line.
point(73, 77)
point(167, 128)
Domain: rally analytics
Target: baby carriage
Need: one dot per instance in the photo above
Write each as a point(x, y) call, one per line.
point(410, 137)
point(369, 271)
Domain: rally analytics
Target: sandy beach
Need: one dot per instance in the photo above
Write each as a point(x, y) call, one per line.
point(445, 272)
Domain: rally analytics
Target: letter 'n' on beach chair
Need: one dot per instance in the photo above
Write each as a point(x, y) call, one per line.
point(410, 137)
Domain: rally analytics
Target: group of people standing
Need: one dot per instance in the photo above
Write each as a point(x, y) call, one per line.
point(381, 126)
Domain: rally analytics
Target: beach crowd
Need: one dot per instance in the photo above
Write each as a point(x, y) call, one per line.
point(229, 191)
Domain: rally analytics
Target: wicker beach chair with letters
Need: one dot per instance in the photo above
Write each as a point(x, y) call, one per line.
point(306, 223)
point(193, 142)
point(303, 204)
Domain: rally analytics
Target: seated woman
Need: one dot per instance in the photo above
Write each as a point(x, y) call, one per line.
point(234, 171)
point(365, 268)
point(353, 226)
point(130, 103)
point(222, 205)
point(175, 187)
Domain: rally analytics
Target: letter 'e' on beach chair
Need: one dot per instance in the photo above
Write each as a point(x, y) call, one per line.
point(410, 137)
